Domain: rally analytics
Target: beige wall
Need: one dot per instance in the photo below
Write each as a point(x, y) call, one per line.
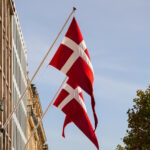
point(32, 143)
point(6, 12)
point(34, 112)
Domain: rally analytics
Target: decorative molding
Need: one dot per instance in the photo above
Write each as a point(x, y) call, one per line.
point(12, 7)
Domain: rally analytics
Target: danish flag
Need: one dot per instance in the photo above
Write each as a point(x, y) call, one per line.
point(70, 101)
point(72, 58)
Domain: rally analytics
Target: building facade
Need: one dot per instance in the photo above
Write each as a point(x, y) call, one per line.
point(19, 83)
point(34, 113)
point(6, 12)
point(13, 81)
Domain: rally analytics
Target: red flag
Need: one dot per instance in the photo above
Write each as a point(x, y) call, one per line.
point(70, 101)
point(72, 58)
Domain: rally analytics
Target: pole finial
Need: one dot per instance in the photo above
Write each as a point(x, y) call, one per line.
point(74, 8)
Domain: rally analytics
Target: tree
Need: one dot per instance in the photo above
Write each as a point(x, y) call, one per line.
point(138, 134)
point(119, 147)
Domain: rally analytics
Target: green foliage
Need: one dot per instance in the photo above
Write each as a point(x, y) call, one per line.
point(119, 147)
point(138, 134)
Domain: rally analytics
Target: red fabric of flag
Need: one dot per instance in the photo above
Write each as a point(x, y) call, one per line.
point(72, 58)
point(70, 101)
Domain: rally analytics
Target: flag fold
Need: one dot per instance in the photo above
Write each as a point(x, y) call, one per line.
point(71, 102)
point(72, 58)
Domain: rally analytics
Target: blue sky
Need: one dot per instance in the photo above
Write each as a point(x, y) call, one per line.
point(117, 34)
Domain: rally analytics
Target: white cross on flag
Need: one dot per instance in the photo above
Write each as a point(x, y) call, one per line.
point(70, 101)
point(72, 58)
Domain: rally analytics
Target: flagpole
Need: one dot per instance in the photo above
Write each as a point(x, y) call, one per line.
point(38, 68)
point(40, 120)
